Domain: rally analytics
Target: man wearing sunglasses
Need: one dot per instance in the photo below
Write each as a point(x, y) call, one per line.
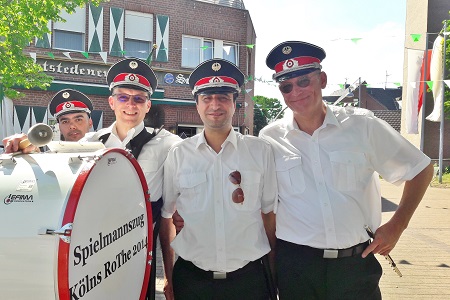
point(72, 110)
point(223, 184)
point(132, 82)
point(328, 159)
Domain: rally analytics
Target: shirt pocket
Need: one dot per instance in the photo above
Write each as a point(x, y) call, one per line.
point(192, 192)
point(347, 169)
point(148, 167)
point(290, 176)
point(250, 185)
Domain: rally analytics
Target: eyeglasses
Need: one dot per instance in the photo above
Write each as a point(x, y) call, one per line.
point(388, 257)
point(136, 98)
point(238, 194)
point(287, 87)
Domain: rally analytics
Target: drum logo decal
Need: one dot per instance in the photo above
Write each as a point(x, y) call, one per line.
point(17, 198)
point(111, 161)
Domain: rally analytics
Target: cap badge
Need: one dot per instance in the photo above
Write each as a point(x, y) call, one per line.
point(286, 50)
point(66, 95)
point(216, 66)
point(289, 64)
point(68, 105)
point(215, 80)
point(133, 64)
point(131, 77)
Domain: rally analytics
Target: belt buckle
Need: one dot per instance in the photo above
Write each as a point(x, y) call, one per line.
point(330, 253)
point(219, 275)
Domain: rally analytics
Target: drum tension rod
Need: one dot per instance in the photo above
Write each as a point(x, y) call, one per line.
point(64, 232)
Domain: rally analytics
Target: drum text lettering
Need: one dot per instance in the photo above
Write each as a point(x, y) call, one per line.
point(81, 254)
point(84, 286)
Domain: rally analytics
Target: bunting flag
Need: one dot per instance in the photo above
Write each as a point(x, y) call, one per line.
point(103, 55)
point(51, 55)
point(67, 54)
point(85, 54)
point(416, 37)
point(227, 49)
point(415, 58)
point(251, 46)
point(436, 70)
point(355, 40)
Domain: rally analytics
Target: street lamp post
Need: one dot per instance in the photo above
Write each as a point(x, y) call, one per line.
point(359, 92)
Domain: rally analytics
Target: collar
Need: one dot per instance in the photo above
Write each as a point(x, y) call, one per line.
point(330, 119)
point(131, 133)
point(231, 138)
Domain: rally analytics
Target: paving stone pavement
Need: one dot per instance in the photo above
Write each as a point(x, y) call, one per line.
point(422, 253)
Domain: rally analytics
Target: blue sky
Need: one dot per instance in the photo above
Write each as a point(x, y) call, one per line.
point(333, 25)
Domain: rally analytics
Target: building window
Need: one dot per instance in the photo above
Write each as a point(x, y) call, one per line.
point(196, 50)
point(69, 35)
point(138, 34)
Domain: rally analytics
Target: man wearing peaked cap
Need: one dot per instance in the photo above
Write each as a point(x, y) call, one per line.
point(293, 59)
point(132, 82)
point(217, 76)
point(223, 185)
point(328, 160)
point(72, 110)
point(132, 73)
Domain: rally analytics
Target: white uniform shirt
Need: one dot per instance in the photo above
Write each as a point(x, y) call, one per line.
point(152, 156)
point(218, 234)
point(328, 182)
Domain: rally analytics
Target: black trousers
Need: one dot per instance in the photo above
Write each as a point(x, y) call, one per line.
point(304, 275)
point(192, 283)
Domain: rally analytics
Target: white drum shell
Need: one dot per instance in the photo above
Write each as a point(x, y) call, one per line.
point(35, 190)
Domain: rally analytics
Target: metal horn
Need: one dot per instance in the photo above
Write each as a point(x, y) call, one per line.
point(39, 135)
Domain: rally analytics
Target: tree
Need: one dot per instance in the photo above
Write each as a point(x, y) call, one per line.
point(20, 23)
point(259, 121)
point(266, 110)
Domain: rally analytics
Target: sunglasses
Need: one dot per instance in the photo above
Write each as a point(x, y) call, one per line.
point(126, 97)
point(287, 87)
point(238, 194)
point(388, 257)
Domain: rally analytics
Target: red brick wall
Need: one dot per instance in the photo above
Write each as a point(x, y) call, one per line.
point(187, 17)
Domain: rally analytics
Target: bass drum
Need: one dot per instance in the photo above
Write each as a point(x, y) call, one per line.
point(74, 226)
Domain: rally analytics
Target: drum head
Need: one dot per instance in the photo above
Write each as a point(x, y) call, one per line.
point(108, 220)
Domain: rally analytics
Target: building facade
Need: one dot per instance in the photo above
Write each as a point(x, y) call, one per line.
point(425, 17)
point(178, 34)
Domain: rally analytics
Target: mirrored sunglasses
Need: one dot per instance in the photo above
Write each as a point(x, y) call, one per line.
point(287, 87)
point(122, 97)
point(238, 194)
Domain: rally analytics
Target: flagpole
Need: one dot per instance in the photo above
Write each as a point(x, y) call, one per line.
point(424, 95)
point(441, 131)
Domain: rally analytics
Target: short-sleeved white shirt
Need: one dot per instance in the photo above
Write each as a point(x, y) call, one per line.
point(328, 182)
point(218, 234)
point(152, 156)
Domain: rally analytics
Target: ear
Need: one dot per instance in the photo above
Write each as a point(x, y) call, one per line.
point(149, 105)
point(90, 123)
point(111, 102)
point(323, 80)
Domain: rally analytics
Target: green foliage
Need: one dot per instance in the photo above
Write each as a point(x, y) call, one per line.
point(266, 110)
point(21, 21)
point(259, 121)
point(270, 107)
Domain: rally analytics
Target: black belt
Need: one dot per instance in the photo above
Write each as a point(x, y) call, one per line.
point(251, 266)
point(327, 253)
